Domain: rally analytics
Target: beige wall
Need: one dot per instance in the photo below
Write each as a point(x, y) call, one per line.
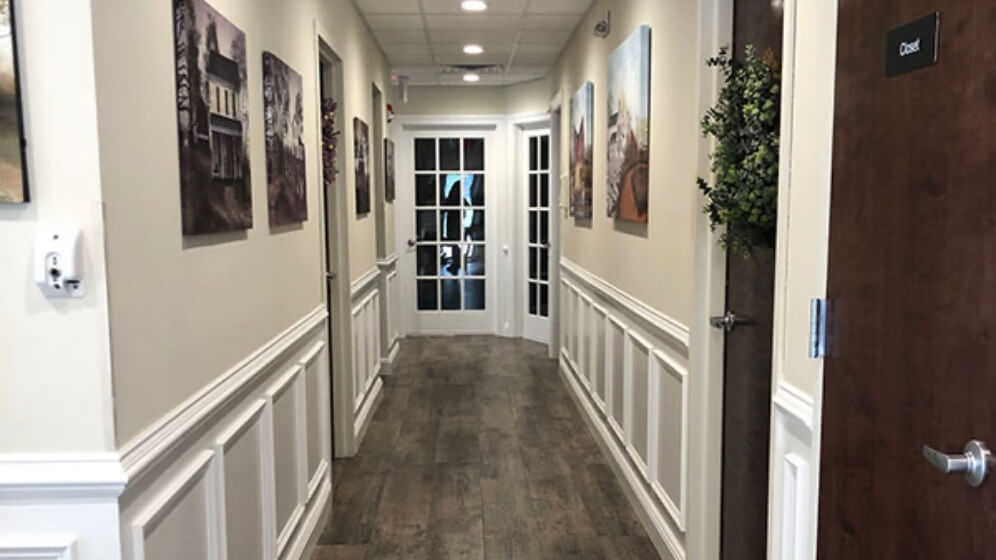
point(54, 357)
point(654, 263)
point(185, 310)
point(528, 97)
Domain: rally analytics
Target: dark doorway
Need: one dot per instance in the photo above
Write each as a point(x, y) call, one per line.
point(911, 287)
point(747, 371)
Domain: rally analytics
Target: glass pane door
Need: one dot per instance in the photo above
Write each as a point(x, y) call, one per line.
point(450, 244)
point(538, 240)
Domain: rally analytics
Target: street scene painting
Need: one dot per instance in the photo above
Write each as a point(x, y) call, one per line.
point(212, 104)
point(582, 111)
point(389, 187)
point(13, 179)
point(283, 116)
point(361, 162)
point(629, 128)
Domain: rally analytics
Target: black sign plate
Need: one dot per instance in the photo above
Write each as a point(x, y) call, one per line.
point(912, 46)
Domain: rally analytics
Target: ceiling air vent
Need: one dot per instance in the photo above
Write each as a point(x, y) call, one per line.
point(482, 69)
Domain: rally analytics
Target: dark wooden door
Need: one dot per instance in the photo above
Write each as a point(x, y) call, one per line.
point(747, 372)
point(912, 288)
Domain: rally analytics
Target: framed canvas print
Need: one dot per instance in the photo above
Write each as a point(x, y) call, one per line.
point(389, 170)
point(283, 118)
point(629, 128)
point(212, 102)
point(361, 163)
point(13, 165)
point(582, 111)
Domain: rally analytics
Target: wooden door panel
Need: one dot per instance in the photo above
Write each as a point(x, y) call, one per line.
point(912, 286)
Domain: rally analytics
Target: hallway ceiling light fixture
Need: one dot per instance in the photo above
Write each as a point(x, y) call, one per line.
point(473, 49)
point(471, 77)
point(474, 5)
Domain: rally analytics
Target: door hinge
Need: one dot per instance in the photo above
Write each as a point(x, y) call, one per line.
point(818, 328)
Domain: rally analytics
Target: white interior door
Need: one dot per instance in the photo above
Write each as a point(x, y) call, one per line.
point(447, 191)
point(536, 252)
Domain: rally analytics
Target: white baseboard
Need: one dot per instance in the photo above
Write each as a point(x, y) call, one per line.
point(392, 354)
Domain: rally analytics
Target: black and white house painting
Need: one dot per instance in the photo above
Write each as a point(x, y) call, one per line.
point(361, 162)
point(212, 120)
point(283, 116)
point(389, 186)
point(13, 179)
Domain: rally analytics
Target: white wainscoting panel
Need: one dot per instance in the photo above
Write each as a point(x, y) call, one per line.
point(627, 366)
point(241, 470)
point(794, 484)
point(368, 352)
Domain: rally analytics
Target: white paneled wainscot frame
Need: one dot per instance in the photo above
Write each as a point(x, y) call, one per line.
point(248, 458)
point(368, 353)
point(627, 367)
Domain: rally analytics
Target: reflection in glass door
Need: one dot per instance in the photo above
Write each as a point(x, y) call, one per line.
point(449, 240)
point(537, 161)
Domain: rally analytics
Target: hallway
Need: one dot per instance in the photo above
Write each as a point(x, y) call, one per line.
point(477, 451)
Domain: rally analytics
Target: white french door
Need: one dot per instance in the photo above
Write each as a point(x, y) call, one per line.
point(537, 180)
point(446, 189)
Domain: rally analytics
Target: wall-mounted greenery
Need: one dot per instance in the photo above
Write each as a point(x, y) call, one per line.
point(745, 123)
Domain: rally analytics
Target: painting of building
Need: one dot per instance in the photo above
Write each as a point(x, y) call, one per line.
point(283, 116)
point(13, 177)
point(212, 120)
point(361, 164)
point(582, 111)
point(629, 129)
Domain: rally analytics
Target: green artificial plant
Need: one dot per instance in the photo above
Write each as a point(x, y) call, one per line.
point(745, 124)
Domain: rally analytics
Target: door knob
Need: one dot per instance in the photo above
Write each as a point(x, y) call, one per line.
point(729, 321)
point(411, 242)
point(974, 463)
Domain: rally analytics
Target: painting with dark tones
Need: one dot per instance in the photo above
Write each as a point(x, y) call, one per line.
point(13, 176)
point(629, 128)
point(283, 115)
point(361, 162)
point(389, 186)
point(212, 103)
point(582, 111)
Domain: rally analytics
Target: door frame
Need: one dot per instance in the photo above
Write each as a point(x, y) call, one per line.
point(809, 55)
point(494, 128)
point(524, 127)
point(337, 293)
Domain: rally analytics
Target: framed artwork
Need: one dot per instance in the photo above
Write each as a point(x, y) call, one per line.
point(212, 103)
point(628, 183)
point(361, 163)
point(283, 117)
point(389, 170)
point(582, 117)
point(13, 165)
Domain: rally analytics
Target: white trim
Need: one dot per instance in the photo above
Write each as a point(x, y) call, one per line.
point(674, 329)
point(795, 403)
point(388, 262)
point(297, 548)
point(164, 501)
point(53, 548)
point(222, 444)
point(316, 481)
point(658, 528)
point(41, 479)
point(660, 362)
point(365, 413)
point(362, 284)
point(392, 354)
point(180, 425)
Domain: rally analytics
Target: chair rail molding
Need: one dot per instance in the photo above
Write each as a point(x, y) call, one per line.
point(627, 368)
point(42, 479)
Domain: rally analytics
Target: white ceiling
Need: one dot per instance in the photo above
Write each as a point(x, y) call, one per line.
point(524, 36)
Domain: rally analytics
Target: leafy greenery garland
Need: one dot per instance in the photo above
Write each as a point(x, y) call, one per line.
point(745, 123)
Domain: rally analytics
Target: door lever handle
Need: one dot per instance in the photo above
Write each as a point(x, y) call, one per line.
point(974, 463)
point(729, 321)
point(411, 242)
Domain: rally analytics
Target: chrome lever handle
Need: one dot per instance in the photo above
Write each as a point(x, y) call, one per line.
point(411, 242)
point(974, 463)
point(729, 321)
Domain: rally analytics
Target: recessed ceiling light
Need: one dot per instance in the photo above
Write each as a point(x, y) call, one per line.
point(471, 77)
point(473, 49)
point(474, 5)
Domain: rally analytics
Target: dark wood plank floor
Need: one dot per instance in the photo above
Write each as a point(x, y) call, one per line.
point(477, 451)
